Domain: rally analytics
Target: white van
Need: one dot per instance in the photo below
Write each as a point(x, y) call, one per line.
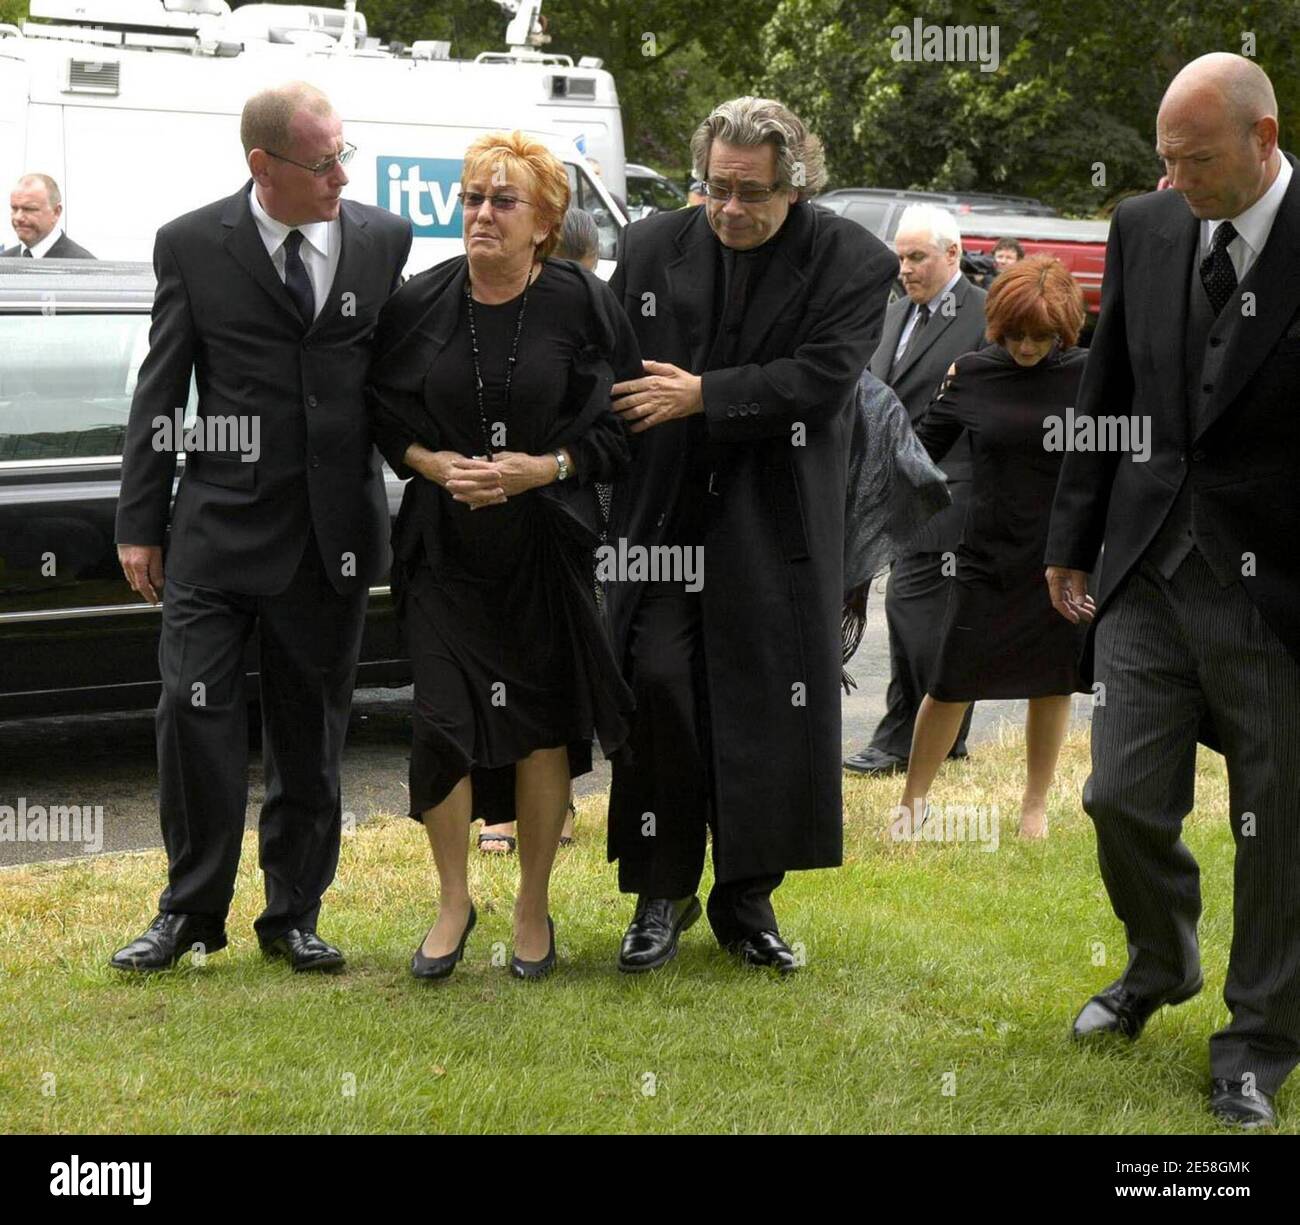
point(133, 107)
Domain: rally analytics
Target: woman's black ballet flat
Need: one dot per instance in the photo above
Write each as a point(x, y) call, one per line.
point(536, 969)
point(441, 967)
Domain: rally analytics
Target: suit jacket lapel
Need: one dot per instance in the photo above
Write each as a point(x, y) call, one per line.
point(355, 248)
point(883, 357)
point(1248, 339)
point(781, 282)
point(939, 323)
point(244, 242)
point(1173, 246)
point(691, 276)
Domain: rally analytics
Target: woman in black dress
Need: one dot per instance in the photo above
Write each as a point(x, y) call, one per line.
point(490, 390)
point(1002, 638)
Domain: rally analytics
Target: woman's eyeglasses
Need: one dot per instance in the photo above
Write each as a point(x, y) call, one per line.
point(502, 203)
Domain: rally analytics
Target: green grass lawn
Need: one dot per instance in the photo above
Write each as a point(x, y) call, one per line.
point(940, 984)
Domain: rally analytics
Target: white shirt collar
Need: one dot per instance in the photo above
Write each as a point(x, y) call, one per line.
point(40, 249)
point(274, 232)
point(1255, 223)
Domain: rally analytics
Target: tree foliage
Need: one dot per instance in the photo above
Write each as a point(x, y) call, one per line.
point(1068, 115)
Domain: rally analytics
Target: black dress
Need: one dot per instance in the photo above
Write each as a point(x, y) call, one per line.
point(1002, 638)
point(498, 605)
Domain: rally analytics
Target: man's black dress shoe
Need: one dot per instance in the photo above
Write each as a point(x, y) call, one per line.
point(304, 950)
point(441, 967)
point(651, 938)
point(536, 969)
point(1117, 1010)
point(169, 938)
point(765, 949)
point(873, 761)
point(1231, 1104)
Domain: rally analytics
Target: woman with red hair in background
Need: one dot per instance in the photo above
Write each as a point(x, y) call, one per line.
point(1002, 638)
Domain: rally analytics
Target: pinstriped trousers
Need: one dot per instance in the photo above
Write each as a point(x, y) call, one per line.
point(1167, 651)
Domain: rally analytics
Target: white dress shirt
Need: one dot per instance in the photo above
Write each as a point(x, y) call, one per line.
point(42, 248)
point(321, 245)
point(934, 304)
point(1253, 226)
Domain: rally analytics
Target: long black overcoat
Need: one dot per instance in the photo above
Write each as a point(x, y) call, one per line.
point(773, 557)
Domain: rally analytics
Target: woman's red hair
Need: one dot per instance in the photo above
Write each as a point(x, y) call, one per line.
point(1035, 297)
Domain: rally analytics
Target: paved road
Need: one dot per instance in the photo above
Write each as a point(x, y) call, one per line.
point(108, 760)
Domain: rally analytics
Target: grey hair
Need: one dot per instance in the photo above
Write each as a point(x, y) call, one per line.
point(800, 160)
point(579, 237)
point(51, 187)
point(938, 222)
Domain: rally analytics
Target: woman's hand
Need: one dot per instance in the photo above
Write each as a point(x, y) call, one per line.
point(519, 472)
point(473, 481)
point(476, 482)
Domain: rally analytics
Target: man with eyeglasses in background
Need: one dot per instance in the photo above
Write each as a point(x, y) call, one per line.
point(269, 299)
point(757, 313)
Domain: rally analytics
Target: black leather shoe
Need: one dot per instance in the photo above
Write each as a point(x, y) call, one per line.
point(1231, 1104)
point(651, 938)
point(765, 949)
point(304, 950)
point(441, 967)
point(168, 939)
point(873, 761)
point(536, 969)
point(1117, 1010)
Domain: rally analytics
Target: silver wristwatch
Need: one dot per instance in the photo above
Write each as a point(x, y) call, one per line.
point(565, 471)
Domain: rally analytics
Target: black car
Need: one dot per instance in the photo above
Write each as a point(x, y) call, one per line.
point(878, 208)
point(73, 636)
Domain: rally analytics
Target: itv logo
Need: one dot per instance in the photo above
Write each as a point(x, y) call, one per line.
point(424, 190)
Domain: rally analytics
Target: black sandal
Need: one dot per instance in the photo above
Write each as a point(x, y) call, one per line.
point(508, 839)
point(568, 839)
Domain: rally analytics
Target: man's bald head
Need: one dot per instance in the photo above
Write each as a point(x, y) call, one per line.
point(1231, 83)
point(1217, 132)
point(268, 115)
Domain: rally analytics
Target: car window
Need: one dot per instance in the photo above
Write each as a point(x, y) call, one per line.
point(870, 214)
point(585, 197)
point(654, 194)
point(66, 382)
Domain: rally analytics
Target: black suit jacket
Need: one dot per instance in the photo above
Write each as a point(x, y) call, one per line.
point(222, 313)
point(946, 338)
point(1241, 456)
point(64, 248)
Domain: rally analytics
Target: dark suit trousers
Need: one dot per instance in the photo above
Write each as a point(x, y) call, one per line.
point(916, 602)
point(670, 747)
point(309, 637)
point(1168, 651)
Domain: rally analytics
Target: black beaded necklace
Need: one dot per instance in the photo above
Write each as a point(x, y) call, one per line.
point(510, 361)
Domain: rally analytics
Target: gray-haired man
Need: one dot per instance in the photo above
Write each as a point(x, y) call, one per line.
point(757, 312)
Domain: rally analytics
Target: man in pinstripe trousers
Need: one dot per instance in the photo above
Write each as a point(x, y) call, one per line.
point(1197, 629)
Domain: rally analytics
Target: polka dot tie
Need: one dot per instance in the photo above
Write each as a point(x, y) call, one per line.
point(1217, 273)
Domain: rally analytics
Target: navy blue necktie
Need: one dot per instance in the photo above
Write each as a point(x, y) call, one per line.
point(1217, 273)
point(296, 280)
